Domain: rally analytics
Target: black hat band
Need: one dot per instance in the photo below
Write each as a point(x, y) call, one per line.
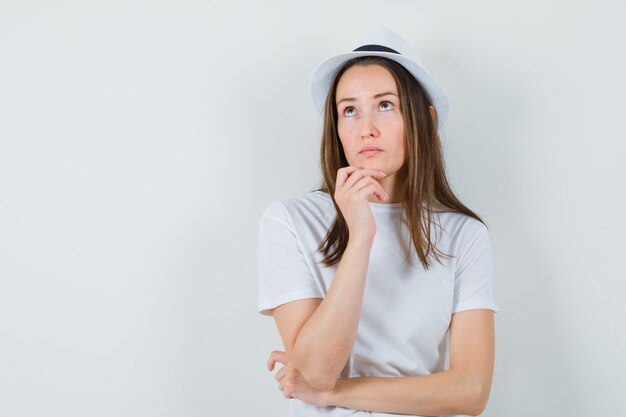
point(376, 48)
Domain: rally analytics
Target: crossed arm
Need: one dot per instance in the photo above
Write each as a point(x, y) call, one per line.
point(318, 335)
point(462, 389)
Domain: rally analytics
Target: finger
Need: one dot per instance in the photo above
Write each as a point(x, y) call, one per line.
point(372, 189)
point(362, 173)
point(276, 356)
point(272, 363)
point(286, 386)
point(343, 174)
point(346, 172)
point(348, 176)
point(281, 373)
point(369, 181)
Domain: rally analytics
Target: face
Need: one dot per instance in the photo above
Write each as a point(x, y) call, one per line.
point(368, 109)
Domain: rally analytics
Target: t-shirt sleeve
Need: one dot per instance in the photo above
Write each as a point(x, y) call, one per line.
point(473, 286)
point(283, 274)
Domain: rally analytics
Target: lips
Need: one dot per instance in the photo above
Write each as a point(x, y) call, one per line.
point(370, 148)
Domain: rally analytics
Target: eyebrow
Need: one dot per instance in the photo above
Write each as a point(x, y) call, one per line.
point(388, 93)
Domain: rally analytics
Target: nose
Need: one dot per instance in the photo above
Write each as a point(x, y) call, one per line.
point(368, 126)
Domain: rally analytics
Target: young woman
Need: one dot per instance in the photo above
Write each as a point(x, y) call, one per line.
point(371, 277)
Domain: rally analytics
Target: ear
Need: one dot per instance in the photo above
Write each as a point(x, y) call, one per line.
point(432, 112)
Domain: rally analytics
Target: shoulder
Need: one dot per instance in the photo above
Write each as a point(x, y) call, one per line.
point(289, 209)
point(461, 228)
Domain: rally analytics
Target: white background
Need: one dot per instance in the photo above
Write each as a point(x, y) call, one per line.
point(140, 142)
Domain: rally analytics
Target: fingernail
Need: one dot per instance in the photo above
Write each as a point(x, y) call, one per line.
point(383, 173)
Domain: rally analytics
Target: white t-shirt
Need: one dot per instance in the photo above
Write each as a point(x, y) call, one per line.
point(406, 310)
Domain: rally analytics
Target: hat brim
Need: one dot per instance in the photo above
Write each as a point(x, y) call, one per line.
point(323, 75)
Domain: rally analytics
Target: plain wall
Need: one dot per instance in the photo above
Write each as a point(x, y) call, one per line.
point(140, 142)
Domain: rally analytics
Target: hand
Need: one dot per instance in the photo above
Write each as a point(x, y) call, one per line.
point(292, 384)
point(353, 188)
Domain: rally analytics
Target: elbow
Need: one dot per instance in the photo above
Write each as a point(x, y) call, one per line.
point(320, 382)
point(320, 373)
point(477, 399)
point(320, 377)
point(472, 393)
point(475, 411)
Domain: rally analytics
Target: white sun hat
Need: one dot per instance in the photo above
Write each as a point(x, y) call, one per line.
point(385, 43)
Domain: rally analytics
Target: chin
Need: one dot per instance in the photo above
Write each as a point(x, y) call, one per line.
point(369, 163)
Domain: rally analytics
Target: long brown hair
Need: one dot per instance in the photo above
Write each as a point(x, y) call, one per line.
point(425, 186)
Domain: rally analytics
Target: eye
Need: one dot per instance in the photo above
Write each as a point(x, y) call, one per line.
point(386, 105)
point(348, 111)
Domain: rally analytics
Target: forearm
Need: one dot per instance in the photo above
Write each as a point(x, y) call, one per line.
point(444, 393)
point(325, 342)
